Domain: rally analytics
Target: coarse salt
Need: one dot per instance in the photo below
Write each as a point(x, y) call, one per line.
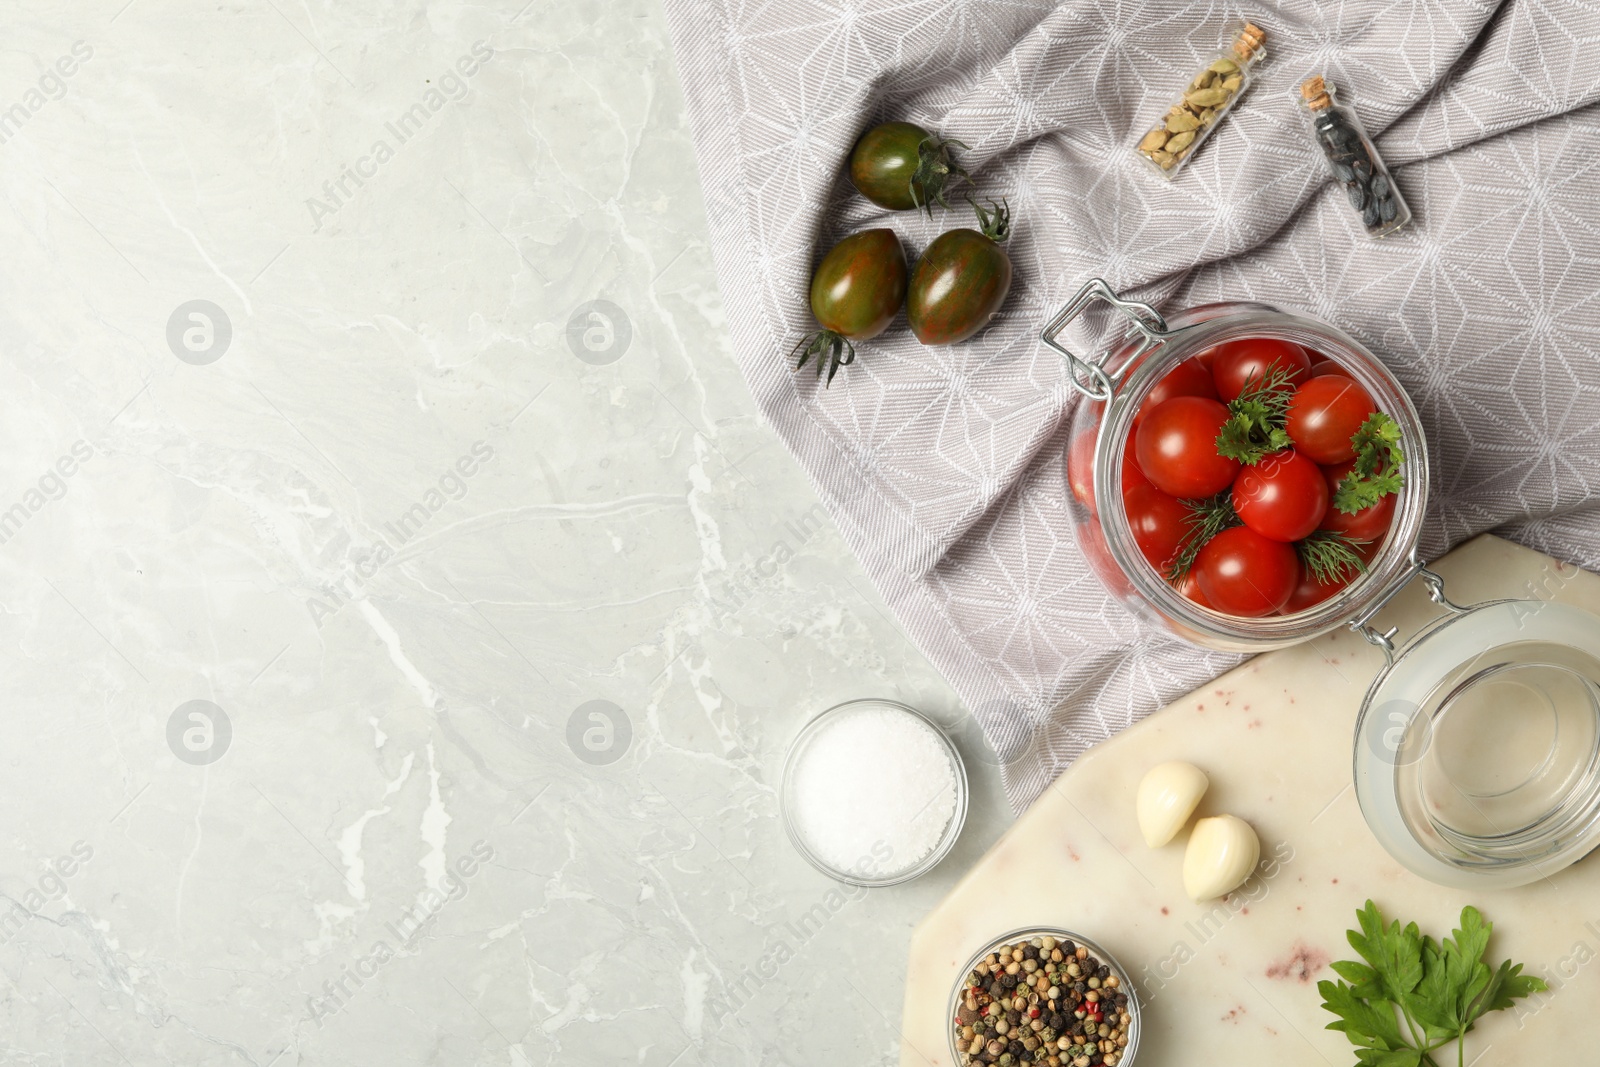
point(873, 790)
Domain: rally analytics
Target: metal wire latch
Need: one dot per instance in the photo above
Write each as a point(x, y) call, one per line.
point(1087, 375)
point(1384, 639)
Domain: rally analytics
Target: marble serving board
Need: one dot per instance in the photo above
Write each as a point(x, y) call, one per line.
point(1234, 981)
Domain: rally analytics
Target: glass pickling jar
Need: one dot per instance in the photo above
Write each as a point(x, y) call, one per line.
point(1477, 747)
point(1117, 382)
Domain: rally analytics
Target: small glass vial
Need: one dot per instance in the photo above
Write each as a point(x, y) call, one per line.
point(1177, 135)
point(1353, 161)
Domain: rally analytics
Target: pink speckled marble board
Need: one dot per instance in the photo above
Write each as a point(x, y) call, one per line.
point(1235, 981)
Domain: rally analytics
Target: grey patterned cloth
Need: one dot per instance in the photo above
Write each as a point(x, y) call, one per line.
point(944, 467)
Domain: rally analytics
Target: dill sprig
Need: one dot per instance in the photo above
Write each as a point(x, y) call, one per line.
point(1331, 556)
point(1206, 519)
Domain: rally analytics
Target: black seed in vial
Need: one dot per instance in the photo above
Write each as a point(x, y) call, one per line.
point(1357, 195)
point(1371, 215)
point(1380, 187)
point(1388, 209)
point(1363, 169)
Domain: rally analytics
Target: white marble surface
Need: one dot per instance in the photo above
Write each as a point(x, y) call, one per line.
point(395, 508)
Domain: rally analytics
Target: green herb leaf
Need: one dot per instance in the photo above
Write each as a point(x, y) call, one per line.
point(1508, 985)
point(1462, 955)
point(1364, 1023)
point(1363, 979)
point(1331, 556)
point(1255, 426)
point(1377, 470)
point(1432, 1003)
point(1395, 953)
point(1414, 995)
point(1404, 1057)
point(1206, 519)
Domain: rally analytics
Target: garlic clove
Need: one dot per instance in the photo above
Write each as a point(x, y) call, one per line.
point(1223, 851)
point(1167, 796)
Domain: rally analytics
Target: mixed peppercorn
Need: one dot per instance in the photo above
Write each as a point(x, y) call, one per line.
point(1042, 1001)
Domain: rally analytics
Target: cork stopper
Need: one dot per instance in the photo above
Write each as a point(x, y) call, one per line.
point(1249, 41)
point(1315, 92)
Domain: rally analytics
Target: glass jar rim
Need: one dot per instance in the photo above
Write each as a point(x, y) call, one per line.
point(1384, 745)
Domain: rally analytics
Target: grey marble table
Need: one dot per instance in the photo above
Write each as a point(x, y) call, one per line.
point(405, 612)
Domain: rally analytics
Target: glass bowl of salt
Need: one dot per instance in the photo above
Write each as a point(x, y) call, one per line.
point(874, 793)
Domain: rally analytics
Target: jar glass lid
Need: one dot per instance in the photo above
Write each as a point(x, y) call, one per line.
point(1477, 751)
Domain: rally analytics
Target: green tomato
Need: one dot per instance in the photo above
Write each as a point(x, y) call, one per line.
point(902, 166)
point(855, 293)
point(960, 282)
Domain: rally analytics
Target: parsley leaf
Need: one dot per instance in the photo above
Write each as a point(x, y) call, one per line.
point(1377, 470)
point(1363, 1022)
point(1255, 426)
point(1414, 995)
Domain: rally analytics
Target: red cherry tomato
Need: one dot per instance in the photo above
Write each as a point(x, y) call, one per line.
point(1176, 446)
point(1189, 586)
point(1242, 573)
point(1368, 524)
point(1282, 497)
point(1324, 414)
point(1189, 378)
point(1233, 363)
point(1311, 592)
point(1159, 522)
point(1080, 468)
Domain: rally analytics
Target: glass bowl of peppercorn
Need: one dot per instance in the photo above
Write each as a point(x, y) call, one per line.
point(1042, 995)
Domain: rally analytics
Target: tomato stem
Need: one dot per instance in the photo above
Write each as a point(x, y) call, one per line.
point(934, 168)
point(831, 349)
point(994, 224)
